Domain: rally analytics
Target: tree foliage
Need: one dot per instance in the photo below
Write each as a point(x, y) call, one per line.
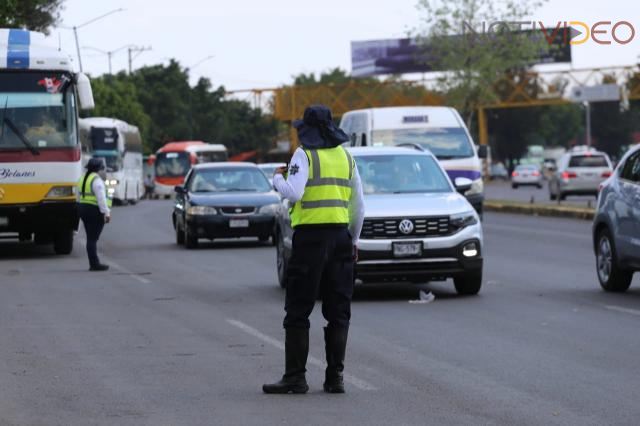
point(159, 100)
point(474, 61)
point(35, 15)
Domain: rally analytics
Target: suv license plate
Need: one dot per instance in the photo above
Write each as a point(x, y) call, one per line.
point(413, 249)
point(4, 221)
point(238, 223)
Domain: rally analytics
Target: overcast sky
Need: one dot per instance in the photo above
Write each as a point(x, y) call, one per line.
point(262, 43)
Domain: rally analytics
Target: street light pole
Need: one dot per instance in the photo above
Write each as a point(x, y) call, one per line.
point(75, 29)
point(75, 35)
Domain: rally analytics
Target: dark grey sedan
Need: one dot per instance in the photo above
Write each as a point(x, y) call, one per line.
point(224, 200)
point(616, 228)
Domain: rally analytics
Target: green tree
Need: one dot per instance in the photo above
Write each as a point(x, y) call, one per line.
point(35, 15)
point(117, 97)
point(474, 61)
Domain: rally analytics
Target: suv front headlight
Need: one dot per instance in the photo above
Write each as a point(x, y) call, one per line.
point(201, 211)
point(477, 187)
point(269, 209)
point(61, 191)
point(462, 220)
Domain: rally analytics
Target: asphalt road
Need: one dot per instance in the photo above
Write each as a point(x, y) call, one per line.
point(501, 190)
point(176, 337)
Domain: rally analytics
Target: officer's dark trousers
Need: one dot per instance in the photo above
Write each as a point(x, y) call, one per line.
point(321, 263)
point(93, 221)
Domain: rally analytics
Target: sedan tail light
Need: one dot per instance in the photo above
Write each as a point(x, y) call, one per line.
point(536, 174)
point(569, 175)
point(514, 174)
point(606, 174)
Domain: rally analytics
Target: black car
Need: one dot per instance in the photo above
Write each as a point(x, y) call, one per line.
point(224, 200)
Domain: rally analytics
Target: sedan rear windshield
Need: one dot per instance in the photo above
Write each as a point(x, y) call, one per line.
point(588, 161)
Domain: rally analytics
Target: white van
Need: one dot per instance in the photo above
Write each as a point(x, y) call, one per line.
point(441, 130)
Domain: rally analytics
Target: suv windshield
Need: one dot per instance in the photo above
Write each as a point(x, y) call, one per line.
point(445, 143)
point(588, 161)
point(172, 164)
point(241, 179)
point(395, 174)
point(37, 111)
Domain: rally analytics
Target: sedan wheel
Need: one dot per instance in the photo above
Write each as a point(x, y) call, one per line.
point(611, 277)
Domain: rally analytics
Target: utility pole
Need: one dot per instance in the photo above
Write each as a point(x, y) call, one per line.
point(75, 29)
point(109, 53)
point(138, 50)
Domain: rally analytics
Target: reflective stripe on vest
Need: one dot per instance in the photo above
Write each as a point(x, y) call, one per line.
point(85, 189)
point(328, 190)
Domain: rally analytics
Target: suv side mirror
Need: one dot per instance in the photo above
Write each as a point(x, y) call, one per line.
point(483, 151)
point(463, 184)
point(179, 189)
point(85, 94)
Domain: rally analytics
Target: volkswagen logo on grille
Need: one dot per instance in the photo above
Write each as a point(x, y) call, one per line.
point(238, 210)
point(406, 226)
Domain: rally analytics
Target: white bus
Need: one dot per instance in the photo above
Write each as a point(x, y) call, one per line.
point(40, 95)
point(120, 145)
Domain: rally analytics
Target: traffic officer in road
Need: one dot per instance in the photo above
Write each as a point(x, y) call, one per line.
point(324, 188)
point(94, 208)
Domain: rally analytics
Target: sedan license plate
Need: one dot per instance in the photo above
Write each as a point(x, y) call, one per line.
point(413, 249)
point(238, 223)
point(4, 221)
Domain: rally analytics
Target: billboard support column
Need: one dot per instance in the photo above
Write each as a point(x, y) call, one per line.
point(483, 133)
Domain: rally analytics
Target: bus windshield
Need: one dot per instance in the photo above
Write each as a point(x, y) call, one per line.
point(112, 160)
point(445, 143)
point(37, 111)
point(172, 164)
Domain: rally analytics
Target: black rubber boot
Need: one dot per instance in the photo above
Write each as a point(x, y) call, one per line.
point(296, 348)
point(335, 341)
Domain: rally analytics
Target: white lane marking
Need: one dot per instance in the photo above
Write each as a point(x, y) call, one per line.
point(359, 383)
point(623, 310)
point(118, 267)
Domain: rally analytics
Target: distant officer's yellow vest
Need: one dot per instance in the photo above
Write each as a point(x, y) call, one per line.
point(86, 194)
point(328, 190)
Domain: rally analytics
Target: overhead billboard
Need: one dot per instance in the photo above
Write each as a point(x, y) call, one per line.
point(405, 55)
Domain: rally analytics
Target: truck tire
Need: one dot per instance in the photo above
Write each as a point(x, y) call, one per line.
point(612, 278)
point(63, 242)
point(468, 284)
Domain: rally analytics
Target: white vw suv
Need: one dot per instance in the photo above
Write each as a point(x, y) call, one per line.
point(418, 227)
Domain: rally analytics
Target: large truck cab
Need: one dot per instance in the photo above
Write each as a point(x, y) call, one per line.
point(40, 156)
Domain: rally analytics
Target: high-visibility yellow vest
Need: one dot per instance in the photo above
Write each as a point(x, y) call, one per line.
point(328, 190)
point(85, 189)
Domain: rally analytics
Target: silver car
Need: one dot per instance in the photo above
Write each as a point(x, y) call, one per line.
point(580, 172)
point(616, 227)
point(418, 227)
point(526, 174)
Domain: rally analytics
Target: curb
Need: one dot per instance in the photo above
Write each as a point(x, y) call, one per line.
point(583, 213)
